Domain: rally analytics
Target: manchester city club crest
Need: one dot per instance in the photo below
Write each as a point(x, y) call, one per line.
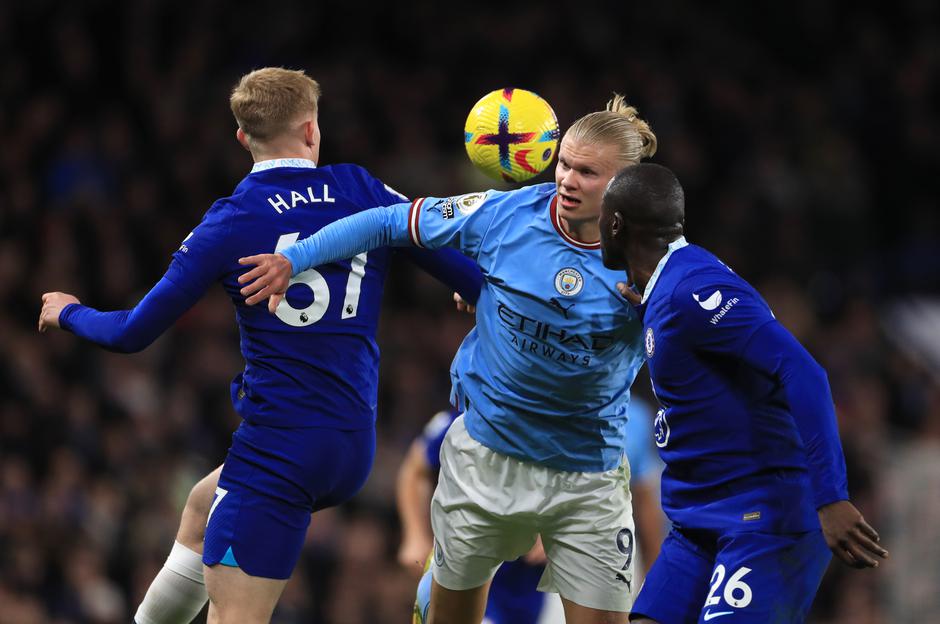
point(650, 342)
point(568, 282)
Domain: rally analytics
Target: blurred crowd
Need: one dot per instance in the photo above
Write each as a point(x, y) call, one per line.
point(806, 135)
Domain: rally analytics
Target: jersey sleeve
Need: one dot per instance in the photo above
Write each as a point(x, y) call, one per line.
point(777, 353)
point(433, 437)
point(129, 331)
point(461, 222)
point(205, 254)
point(716, 311)
point(399, 225)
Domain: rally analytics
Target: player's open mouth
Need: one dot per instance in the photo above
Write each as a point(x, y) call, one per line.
point(568, 202)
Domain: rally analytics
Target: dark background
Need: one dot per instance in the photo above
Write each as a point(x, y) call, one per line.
point(805, 134)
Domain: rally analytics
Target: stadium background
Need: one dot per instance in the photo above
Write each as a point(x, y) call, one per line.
point(805, 133)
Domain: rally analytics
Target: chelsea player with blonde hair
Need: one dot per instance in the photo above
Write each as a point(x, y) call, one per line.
point(308, 393)
point(542, 380)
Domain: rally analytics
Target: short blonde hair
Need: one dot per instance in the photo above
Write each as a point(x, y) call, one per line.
point(267, 101)
point(619, 126)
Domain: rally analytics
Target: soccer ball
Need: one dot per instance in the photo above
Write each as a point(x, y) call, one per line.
point(511, 134)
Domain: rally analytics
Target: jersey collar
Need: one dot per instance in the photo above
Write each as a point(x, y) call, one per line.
point(675, 245)
point(568, 238)
point(264, 165)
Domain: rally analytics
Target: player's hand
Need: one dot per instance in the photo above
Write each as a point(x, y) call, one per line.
point(463, 306)
point(849, 537)
point(269, 278)
point(52, 305)
point(629, 294)
point(413, 552)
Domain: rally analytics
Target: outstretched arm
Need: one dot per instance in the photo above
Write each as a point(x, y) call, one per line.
point(345, 238)
point(773, 350)
point(426, 222)
point(125, 331)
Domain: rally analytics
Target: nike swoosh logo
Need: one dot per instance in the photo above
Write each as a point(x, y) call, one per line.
point(709, 615)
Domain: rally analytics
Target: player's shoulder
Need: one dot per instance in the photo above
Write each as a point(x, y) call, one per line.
point(534, 195)
point(349, 172)
point(522, 203)
point(355, 178)
point(224, 208)
point(694, 268)
point(708, 286)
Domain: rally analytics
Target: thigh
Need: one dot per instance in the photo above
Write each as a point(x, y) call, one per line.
point(474, 530)
point(762, 577)
point(677, 584)
point(239, 597)
point(589, 539)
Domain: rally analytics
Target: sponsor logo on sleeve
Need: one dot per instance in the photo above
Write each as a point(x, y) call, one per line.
point(716, 318)
point(712, 302)
point(468, 204)
point(183, 246)
point(444, 207)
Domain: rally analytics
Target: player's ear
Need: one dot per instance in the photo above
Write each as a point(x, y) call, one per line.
point(310, 132)
point(242, 138)
point(616, 224)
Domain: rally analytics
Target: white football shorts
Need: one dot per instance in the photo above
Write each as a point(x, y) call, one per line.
point(489, 508)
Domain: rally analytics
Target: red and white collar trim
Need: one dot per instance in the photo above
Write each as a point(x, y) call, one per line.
point(568, 238)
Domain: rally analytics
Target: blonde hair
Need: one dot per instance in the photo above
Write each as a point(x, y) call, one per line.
point(619, 126)
point(267, 101)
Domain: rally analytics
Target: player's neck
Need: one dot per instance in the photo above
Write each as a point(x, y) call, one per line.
point(643, 261)
point(586, 231)
point(275, 151)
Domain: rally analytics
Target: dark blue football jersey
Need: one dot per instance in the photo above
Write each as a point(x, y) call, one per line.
point(315, 362)
point(747, 427)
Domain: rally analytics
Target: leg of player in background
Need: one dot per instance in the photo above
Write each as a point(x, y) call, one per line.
point(246, 599)
point(178, 592)
point(577, 614)
point(457, 607)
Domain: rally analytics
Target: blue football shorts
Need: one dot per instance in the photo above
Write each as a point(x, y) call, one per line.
point(272, 480)
point(765, 578)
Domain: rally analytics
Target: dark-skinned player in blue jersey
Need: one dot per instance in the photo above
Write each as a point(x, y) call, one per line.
point(755, 480)
point(308, 393)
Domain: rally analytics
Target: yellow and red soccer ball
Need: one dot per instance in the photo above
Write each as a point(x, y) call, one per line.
point(511, 134)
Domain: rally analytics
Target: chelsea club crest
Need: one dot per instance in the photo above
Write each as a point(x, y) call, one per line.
point(568, 282)
point(650, 342)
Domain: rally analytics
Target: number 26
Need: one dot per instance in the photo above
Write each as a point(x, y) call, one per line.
point(734, 585)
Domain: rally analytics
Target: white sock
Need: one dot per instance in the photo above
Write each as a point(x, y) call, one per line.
point(178, 592)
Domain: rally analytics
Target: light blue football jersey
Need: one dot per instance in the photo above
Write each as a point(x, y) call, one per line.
point(545, 375)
